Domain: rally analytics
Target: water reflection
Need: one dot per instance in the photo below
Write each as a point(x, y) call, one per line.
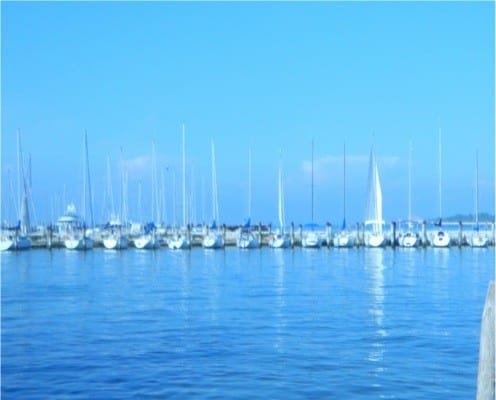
point(374, 261)
point(280, 300)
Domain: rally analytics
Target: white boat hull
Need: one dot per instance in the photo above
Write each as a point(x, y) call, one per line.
point(375, 240)
point(344, 240)
point(146, 242)
point(15, 243)
point(279, 241)
point(247, 241)
point(213, 241)
point(409, 240)
point(311, 240)
point(116, 242)
point(478, 240)
point(441, 239)
point(179, 243)
point(83, 243)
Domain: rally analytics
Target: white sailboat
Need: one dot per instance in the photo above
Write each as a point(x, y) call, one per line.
point(409, 238)
point(344, 238)
point(311, 238)
point(16, 238)
point(478, 238)
point(180, 239)
point(115, 236)
point(77, 236)
point(246, 238)
point(280, 239)
point(374, 235)
point(441, 237)
point(214, 239)
point(148, 239)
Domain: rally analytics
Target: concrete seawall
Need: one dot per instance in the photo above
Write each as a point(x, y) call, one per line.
point(486, 376)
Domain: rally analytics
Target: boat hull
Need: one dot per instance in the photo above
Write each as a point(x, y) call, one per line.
point(441, 239)
point(15, 243)
point(311, 241)
point(85, 243)
point(279, 242)
point(375, 240)
point(479, 241)
point(247, 241)
point(116, 242)
point(409, 240)
point(343, 240)
point(147, 242)
point(213, 241)
point(179, 243)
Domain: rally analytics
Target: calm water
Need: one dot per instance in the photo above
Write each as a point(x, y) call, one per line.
point(343, 324)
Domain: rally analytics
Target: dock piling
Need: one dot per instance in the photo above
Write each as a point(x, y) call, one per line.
point(292, 234)
point(460, 234)
point(393, 240)
point(424, 234)
point(328, 232)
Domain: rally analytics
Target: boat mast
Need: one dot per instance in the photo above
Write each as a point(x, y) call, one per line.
point(440, 177)
point(19, 163)
point(184, 180)
point(344, 185)
point(87, 165)
point(249, 183)
point(84, 179)
point(312, 181)
point(410, 182)
point(281, 211)
point(215, 200)
point(121, 203)
point(477, 189)
point(140, 208)
point(110, 213)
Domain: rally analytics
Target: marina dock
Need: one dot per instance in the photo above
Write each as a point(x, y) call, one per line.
point(460, 233)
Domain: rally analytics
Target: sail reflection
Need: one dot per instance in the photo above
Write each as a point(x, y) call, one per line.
point(375, 265)
point(280, 300)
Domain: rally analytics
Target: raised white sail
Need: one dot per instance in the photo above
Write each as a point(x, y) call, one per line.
point(441, 237)
point(180, 240)
point(279, 238)
point(373, 219)
point(214, 239)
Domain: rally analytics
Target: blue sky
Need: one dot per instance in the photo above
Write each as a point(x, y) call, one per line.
point(272, 76)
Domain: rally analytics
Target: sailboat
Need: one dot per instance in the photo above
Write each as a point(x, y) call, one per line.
point(77, 236)
point(16, 237)
point(344, 238)
point(246, 238)
point(441, 237)
point(409, 238)
point(214, 239)
point(180, 239)
point(280, 239)
point(148, 238)
point(311, 238)
point(115, 237)
point(478, 239)
point(374, 235)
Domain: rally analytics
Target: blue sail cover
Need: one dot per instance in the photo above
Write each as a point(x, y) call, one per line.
point(214, 225)
point(149, 227)
point(343, 227)
point(247, 223)
point(439, 222)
